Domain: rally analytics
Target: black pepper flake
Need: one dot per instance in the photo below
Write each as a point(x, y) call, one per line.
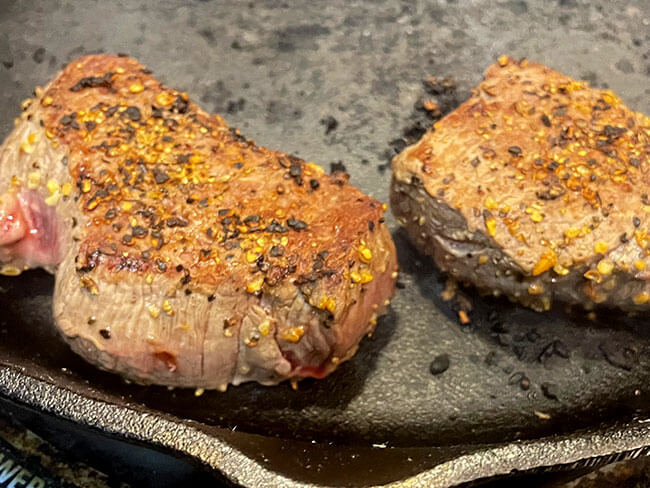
point(252, 219)
point(211, 298)
point(186, 279)
point(296, 224)
point(206, 252)
point(176, 222)
point(623, 238)
point(636, 162)
point(475, 162)
point(276, 227)
point(70, 120)
point(295, 171)
point(90, 125)
point(223, 211)
point(238, 165)
point(614, 132)
point(112, 110)
point(67, 119)
point(179, 268)
point(110, 214)
point(552, 166)
point(105, 333)
point(314, 184)
point(636, 221)
point(180, 106)
point(371, 226)
point(203, 203)
point(209, 232)
point(276, 251)
point(515, 151)
point(323, 255)
point(157, 113)
point(139, 231)
point(160, 264)
point(133, 113)
point(127, 238)
point(545, 120)
point(146, 255)
point(160, 176)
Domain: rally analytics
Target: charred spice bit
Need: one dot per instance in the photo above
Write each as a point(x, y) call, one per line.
point(295, 171)
point(296, 224)
point(338, 167)
point(545, 120)
point(276, 251)
point(93, 82)
point(133, 113)
point(276, 227)
point(160, 176)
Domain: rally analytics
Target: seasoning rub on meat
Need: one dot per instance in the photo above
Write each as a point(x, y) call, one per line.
point(184, 254)
point(536, 188)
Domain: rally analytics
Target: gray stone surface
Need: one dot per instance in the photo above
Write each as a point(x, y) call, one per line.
point(293, 64)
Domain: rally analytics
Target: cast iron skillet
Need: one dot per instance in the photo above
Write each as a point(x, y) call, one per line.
point(279, 71)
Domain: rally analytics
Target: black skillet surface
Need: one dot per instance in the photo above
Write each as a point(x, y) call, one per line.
point(279, 71)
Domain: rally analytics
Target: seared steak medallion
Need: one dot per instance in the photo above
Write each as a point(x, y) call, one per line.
point(184, 254)
point(537, 188)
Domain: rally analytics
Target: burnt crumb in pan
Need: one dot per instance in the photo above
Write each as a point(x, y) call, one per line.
point(330, 124)
point(439, 364)
point(439, 97)
point(523, 343)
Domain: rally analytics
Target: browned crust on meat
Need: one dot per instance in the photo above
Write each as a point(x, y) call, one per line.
point(169, 189)
point(195, 257)
point(548, 169)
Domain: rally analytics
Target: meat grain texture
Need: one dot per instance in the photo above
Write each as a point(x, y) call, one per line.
point(535, 188)
point(184, 254)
